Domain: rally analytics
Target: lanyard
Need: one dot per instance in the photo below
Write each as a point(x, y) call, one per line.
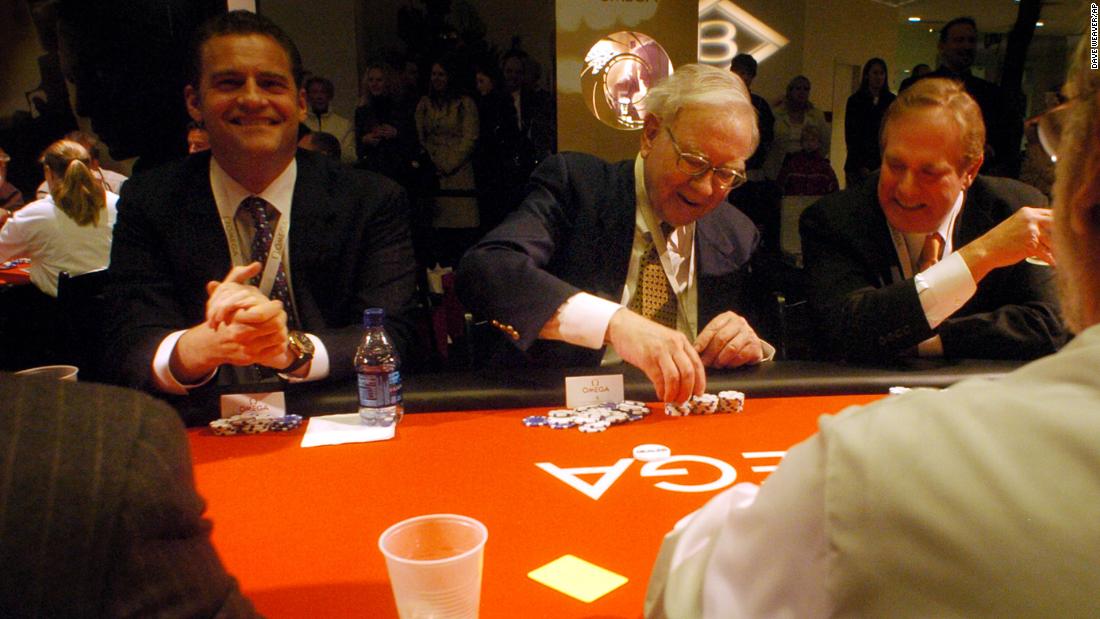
point(274, 253)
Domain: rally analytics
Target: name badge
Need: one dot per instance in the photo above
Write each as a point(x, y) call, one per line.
point(581, 390)
point(271, 404)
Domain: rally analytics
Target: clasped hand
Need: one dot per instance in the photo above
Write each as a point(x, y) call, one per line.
point(249, 327)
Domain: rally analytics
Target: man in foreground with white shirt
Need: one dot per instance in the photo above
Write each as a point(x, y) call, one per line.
point(645, 255)
point(975, 501)
point(927, 257)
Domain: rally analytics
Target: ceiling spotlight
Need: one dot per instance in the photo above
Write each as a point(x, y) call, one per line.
point(914, 19)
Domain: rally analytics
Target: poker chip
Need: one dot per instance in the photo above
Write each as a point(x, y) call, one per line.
point(731, 401)
point(590, 418)
point(254, 424)
point(285, 423)
point(223, 427)
point(708, 404)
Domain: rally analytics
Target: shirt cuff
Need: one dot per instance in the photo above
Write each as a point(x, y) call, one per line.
point(932, 347)
point(162, 372)
point(583, 319)
point(768, 350)
point(318, 366)
point(944, 287)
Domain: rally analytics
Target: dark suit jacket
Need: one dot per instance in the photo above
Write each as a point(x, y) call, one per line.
point(98, 511)
point(349, 250)
point(864, 314)
point(573, 233)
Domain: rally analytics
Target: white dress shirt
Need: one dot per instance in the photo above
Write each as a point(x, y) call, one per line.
point(55, 243)
point(975, 501)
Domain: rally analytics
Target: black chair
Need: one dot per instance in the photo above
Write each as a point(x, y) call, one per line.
point(81, 317)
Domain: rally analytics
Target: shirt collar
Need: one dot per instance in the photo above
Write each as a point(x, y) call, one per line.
point(228, 193)
point(646, 220)
point(915, 240)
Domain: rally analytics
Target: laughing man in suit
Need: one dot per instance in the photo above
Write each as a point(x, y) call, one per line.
point(561, 276)
point(927, 256)
point(187, 292)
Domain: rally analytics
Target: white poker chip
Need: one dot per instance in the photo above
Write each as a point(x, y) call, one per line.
point(731, 401)
point(651, 452)
point(705, 404)
point(594, 426)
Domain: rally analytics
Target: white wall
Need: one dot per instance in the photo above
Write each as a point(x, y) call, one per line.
point(324, 31)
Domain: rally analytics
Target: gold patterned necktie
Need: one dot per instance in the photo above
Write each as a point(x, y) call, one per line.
point(930, 253)
point(653, 297)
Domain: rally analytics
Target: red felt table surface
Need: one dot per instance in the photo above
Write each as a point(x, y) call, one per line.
point(299, 527)
point(17, 275)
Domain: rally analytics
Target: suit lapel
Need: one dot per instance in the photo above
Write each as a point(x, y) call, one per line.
point(871, 234)
point(975, 218)
point(311, 218)
point(207, 245)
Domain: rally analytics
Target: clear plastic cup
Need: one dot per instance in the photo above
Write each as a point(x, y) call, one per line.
point(56, 372)
point(435, 562)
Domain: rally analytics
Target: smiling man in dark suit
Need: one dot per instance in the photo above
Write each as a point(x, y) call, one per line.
point(209, 267)
point(927, 256)
point(645, 254)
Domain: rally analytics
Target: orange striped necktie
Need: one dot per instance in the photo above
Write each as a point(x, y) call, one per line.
point(931, 252)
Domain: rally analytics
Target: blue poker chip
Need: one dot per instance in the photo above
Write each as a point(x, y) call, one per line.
point(285, 423)
point(534, 421)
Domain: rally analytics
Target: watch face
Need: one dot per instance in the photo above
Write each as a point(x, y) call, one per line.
point(302, 344)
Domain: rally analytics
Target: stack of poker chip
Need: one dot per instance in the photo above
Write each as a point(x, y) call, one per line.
point(708, 404)
point(590, 417)
point(254, 424)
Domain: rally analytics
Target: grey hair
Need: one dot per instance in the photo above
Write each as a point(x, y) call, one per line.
point(700, 85)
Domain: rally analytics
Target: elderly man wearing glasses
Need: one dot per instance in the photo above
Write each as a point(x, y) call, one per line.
point(645, 255)
point(928, 257)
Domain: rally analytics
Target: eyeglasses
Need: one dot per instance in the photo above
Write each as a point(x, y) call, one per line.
point(1049, 125)
point(697, 165)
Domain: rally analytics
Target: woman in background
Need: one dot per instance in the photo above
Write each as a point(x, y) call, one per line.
point(791, 115)
point(68, 230)
point(862, 118)
point(447, 124)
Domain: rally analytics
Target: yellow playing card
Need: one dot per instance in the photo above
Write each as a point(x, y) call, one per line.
point(577, 578)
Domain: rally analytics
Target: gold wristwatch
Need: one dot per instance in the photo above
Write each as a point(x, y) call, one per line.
point(301, 347)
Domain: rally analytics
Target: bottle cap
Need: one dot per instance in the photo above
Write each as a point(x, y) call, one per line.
point(372, 316)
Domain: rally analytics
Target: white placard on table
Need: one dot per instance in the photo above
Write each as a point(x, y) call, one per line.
point(581, 390)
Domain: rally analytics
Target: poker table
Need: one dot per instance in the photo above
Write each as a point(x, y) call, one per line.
point(299, 527)
point(16, 275)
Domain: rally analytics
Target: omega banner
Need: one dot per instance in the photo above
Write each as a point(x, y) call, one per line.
point(609, 53)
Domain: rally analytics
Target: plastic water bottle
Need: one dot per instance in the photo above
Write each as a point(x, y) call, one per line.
point(377, 366)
